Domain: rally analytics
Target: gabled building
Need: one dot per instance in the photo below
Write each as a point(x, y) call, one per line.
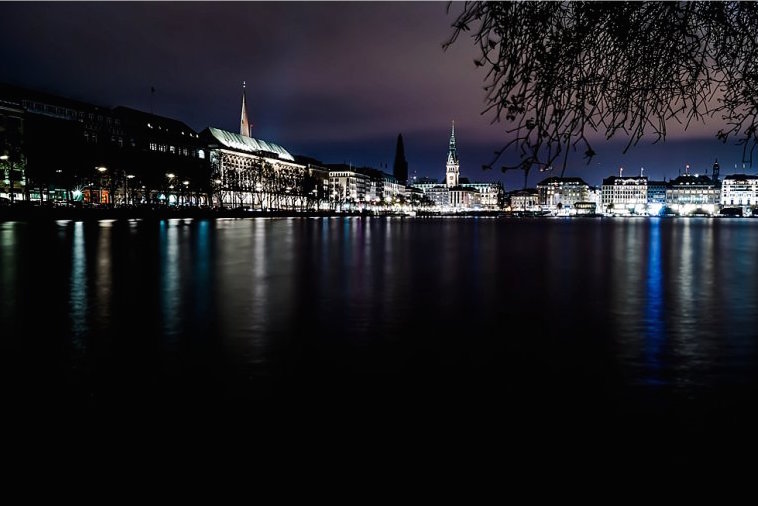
point(252, 173)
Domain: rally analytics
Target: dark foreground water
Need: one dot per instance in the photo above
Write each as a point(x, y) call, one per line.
point(490, 330)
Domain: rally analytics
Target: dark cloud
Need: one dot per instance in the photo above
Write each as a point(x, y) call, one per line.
point(334, 80)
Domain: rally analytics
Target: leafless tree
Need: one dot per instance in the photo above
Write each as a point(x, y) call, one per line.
point(558, 71)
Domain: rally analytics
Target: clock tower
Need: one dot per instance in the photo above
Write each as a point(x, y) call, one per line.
point(453, 167)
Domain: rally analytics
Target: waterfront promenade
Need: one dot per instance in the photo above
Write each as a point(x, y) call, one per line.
point(162, 212)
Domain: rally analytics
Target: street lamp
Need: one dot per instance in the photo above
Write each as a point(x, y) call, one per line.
point(102, 170)
point(126, 188)
point(170, 176)
point(4, 157)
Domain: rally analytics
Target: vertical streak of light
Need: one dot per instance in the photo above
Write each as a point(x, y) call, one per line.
point(654, 324)
point(78, 303)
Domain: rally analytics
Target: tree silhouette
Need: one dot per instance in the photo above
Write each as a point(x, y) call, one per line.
point(558, 71)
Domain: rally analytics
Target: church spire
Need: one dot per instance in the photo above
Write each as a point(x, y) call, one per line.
point(244, 121)
point(453, 167)
point(400, 167)
point(716, 170)
point(452, 155)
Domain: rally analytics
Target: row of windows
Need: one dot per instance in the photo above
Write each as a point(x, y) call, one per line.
point(159, 127)
point(67, 113)
point(174, 150)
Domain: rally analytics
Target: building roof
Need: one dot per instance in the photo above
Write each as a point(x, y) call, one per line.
point(612, 180)
point(250, 145)
point(740, 176)
point(557, 180)
point(170, 125)
point(687, 179)
point(525, 192)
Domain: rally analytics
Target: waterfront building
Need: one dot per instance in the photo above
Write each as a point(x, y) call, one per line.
point(251, 173)
point(526, 200)
point(161, 161)
point(63, 141)
point(560, 194)
point(624, 195)
point(348, 188)
point(255, 174)
point(80, 152)
point(488, 195)
point(690, 193)
point(595, 196)
point(656, 196)
point(464, 198)
point(739, 190)
point(11, 155)
point(439, 195)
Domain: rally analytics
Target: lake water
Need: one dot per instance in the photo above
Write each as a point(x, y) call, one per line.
point(620, 328)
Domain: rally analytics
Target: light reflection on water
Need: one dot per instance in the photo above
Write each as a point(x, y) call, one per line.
point(239, 308)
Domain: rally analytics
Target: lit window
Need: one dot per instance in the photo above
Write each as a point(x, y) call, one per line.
point(201, 154)
point(153, 146)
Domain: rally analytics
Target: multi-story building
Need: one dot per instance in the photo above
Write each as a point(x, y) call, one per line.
point(11, 154)
point(252, 173)
point(489, 195)
point(624, 195)
point(690, 193)
point(162, 161)
point(348, 188)
point(439, 196)
point(562, 193)
point(739, 190)
point(526, 200)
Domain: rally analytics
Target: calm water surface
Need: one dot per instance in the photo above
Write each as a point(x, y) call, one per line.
point(645, 326)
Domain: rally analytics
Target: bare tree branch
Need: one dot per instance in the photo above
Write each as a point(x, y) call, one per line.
point(557, 71)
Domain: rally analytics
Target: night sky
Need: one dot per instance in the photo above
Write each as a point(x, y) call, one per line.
point(335, 80)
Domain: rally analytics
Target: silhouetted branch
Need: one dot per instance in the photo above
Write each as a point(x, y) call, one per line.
point(557, 71)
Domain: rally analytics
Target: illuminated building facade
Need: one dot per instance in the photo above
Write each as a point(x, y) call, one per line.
point(624, 195)
point(739, 190)
point(255, 174)
point(525, 200)
point(162, 161)
point(690, 193)
point(348, 189)
point(12, 163)
point(560, 194)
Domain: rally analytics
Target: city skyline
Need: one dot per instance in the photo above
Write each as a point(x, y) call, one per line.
point(337, 82)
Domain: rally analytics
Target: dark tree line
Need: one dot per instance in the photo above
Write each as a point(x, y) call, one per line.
point(557, 71)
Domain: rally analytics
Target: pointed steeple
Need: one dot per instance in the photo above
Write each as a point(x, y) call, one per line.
point(400, 167)
point(452, 155)
point(244, 122)
point(716, 170)
point(453, 167)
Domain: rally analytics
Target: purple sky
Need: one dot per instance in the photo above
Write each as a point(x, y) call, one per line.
point(335, 80)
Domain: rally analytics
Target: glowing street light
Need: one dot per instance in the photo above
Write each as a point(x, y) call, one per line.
point(126, 188)
point(4, 157)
